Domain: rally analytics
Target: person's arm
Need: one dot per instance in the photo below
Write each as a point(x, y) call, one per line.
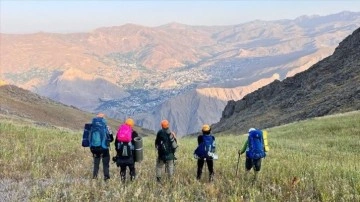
point(199, 139)
point(116, 144)
point(244, 147)
point(157, 140)
point(134, 135)
point(110, 133)
point(213, 147)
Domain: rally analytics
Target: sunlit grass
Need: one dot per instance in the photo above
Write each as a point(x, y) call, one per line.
point(321, 154)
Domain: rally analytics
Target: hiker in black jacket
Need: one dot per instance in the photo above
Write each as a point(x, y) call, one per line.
point(127, 160)
point(166, 145)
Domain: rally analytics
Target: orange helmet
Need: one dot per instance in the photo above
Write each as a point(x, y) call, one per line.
point(206, 128)
point(165, 124)
point(129, 122)
point(102, 115)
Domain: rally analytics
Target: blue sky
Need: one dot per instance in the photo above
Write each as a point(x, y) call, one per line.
point(20, 16)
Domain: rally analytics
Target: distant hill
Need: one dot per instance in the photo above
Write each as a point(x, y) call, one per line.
point(133, 70)
point(328, 87)
point(22, 105)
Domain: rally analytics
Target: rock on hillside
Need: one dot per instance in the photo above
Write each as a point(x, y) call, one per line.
point(328, 87)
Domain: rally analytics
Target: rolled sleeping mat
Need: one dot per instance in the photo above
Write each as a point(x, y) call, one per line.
point(265, 137)
point(138, 149)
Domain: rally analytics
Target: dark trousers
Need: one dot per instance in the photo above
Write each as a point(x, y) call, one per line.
point(123, 171)
point(253, 163)
point(105, 156)
point(200, 165)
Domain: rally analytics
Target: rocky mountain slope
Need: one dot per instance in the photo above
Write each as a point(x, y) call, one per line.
point(330, 86)
point(24, 106)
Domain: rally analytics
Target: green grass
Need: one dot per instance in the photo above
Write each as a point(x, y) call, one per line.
point(38, 164)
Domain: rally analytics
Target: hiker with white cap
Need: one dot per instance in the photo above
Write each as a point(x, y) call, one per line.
point(255, 150)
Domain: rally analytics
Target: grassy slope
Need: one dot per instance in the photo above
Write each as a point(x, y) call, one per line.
point(50, 165)
point(21, 105)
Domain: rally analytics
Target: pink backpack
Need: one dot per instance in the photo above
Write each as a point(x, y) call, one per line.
point(124, 133)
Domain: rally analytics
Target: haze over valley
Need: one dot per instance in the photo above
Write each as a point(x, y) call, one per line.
point(173, 71)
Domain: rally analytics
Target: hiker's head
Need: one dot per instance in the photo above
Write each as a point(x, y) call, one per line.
point(165, 124)
point(251, 129)
point(101, 115)
point(206, 129)
point(129, 122)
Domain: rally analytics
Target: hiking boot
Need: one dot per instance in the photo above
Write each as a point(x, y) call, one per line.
point(211, 178)
point(158, 179)
point(198, 177)
point(94, 177)
point(106, 178)
point(132, 178)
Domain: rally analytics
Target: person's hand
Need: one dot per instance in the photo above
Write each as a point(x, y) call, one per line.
point(173, 135)
point(239, 152)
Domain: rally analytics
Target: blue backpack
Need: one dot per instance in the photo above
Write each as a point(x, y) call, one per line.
point(98, 133)
point(256, 145)
point(86, 135)
point(206, 146)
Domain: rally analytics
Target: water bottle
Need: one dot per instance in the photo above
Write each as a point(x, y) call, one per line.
point(124, 151)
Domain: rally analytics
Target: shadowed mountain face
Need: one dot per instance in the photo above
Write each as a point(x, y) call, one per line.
point(143, 72)
point(24, 106)
point(328, 87)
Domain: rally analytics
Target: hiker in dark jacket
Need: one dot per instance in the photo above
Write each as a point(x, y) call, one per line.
point(166, 145)
point(101, 153)
point(129, 160)
point(206, 132)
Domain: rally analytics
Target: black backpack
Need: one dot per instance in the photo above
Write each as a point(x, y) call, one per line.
point(165, 149)
point(125, 149)
point(125, 153)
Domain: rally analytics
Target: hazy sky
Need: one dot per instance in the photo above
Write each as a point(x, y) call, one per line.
point(20, 16)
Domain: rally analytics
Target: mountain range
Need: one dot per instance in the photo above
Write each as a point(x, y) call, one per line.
point(328, 87)
point(182, 73)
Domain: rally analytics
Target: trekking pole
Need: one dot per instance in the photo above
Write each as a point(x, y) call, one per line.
point(174, 166)
point(166, 167)
point(205, 162)
point(237, 166)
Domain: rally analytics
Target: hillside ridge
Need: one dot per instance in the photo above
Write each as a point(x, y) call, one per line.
point(328, 87)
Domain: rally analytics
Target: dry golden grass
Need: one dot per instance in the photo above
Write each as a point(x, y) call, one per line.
point(314, 160)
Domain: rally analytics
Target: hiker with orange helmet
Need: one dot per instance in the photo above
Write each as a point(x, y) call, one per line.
point(205, 152)
point(125, 149)
point(166, 145)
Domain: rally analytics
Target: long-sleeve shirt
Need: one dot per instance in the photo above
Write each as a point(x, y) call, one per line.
point(245, 146)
